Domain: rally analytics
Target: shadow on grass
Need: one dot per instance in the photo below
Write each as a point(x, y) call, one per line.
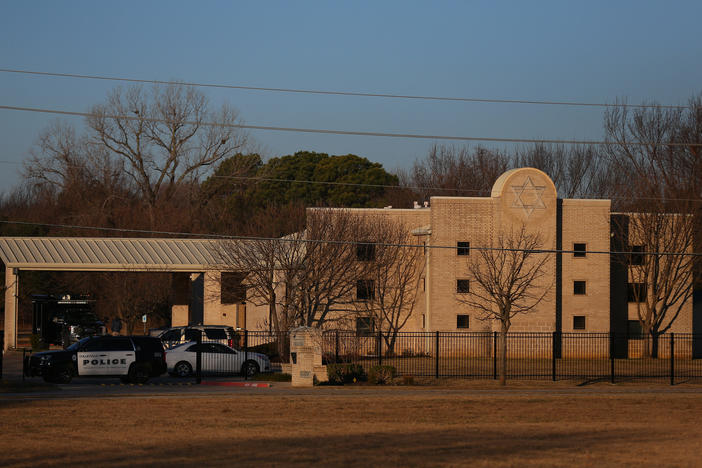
point(456, 446)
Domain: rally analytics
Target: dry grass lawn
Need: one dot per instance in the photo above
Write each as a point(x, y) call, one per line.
point(351, 427)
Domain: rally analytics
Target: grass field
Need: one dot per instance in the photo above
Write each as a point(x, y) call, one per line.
point(366, 426)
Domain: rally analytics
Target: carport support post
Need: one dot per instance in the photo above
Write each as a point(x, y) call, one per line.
point(198, 359)
point(10, 337)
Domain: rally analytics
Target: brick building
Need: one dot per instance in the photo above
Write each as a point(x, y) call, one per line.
point(587, 291)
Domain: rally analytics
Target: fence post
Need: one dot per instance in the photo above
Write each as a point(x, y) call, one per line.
point(198, 359)
point(246, 352)
point(611, 357)
point(380, 348)
point(494, 355)
point(436, 369)
point(336, 348)
point(553, 356)
point(672, 359)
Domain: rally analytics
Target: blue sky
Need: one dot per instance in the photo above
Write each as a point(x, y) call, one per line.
point(580, 51)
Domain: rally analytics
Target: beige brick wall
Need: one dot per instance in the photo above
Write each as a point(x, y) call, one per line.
point(588, 222)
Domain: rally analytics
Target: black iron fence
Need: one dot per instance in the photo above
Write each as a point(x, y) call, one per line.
point(555, 356)
point(474, 355)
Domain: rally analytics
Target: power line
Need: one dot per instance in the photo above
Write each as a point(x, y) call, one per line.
point(344, 132)
point(287, 239)
point(340, 93)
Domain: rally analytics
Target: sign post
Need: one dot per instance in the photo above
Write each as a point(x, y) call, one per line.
point(143, 320)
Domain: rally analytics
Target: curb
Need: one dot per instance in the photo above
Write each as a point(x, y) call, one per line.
point(237, 384)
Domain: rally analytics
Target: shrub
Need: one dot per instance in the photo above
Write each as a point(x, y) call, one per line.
point(381, 375)
point(37, 343)
point(340, 374)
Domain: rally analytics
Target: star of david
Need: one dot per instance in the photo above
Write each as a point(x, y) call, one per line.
point(528, 196)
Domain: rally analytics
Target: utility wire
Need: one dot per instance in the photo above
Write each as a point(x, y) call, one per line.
point(339, 93)
point(288, 239)
point(342, 132)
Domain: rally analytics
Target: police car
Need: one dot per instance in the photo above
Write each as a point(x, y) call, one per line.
point(131, 358)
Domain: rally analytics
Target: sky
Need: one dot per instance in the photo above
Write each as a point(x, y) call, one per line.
point(595, 51)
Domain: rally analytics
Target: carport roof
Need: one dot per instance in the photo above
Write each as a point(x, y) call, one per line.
point(110, 254)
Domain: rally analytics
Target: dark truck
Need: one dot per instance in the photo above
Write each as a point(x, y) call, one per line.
point(65, 319)
point(131, 358)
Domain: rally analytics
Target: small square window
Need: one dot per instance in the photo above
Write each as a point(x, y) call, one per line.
point(636, 257)
point(579, 250)
point(463, 248)
point(579, 287)
point(634, 330)
point(365, 289)
point(463, 286)
point(365, 252)
point(364, 326)
point(578, 322)
point(636, 292)
point(462, 321)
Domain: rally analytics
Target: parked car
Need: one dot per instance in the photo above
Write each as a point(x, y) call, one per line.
point(216, 359)
point(131, 358)
point(223, 334)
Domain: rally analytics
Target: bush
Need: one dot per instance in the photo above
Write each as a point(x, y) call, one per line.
point(381, 375)
point(339, 374)
point(37, 343)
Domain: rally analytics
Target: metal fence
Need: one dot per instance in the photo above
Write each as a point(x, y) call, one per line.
point(474, 355)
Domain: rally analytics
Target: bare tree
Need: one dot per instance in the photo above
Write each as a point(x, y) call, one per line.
point(455, 171)
point(270, 261)
point(575, 170)
point(164, 139)
point(648, 147)
point(508, 280)
point(395, 270)
point(661, 272)
point(326, 289)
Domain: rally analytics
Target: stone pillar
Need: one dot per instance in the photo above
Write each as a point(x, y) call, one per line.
point(11, 289)
point(306, 357)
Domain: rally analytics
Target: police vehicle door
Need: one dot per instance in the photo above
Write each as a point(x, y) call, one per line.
point(106, 356)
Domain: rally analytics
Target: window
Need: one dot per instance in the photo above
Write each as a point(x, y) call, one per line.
point(365, 252)
point(462, 321)
point(463, 248)
point(579, 287)
point(579, 250)
point(634, 329)
point(171, 335)
point(365, 289)
point(215, 334)
point(636, 292)
point(118, 344)
point(232, 289)
point(364, 326)
point(192, 335)
point(578, 322)
point(636, 256)
point(462, 286)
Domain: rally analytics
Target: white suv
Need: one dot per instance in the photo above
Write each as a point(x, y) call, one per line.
point(222, 334)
